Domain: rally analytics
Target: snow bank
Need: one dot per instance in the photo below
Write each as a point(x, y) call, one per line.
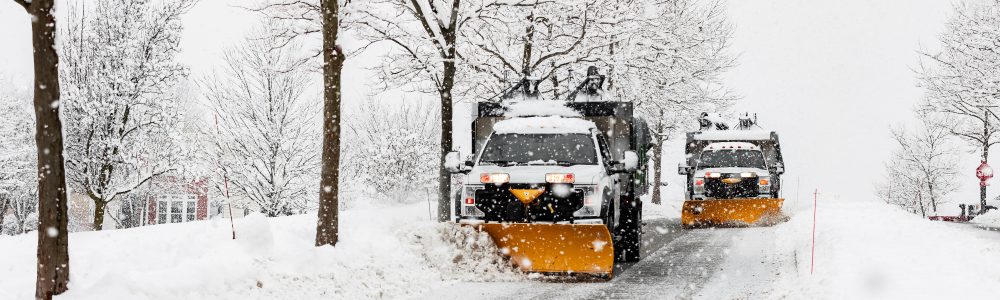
point(383, 253)
point(543, 125)
point(990, 219)
point(871, 250)
point(539, 108)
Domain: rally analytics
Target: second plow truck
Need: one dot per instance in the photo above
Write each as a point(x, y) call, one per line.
point(554, 183)
point(733, 175)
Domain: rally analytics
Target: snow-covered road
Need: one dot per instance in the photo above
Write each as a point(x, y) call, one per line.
point(677, 264)
point(865, 250)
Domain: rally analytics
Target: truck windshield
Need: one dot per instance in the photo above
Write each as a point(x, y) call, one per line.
point(524, 149)
point(732, 158)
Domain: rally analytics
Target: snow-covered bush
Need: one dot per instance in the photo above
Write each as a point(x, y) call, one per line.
point(18, 200)
point(391, 155)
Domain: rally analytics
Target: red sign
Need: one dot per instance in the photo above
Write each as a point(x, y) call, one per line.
point(984, 172)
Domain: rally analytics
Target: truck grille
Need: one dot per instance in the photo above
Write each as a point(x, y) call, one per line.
point(498, 204)
point(719, 189)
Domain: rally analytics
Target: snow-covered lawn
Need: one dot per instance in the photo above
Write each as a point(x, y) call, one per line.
point(384, 253)
point(865, 250)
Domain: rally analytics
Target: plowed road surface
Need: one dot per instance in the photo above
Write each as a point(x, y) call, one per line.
point(676, 264)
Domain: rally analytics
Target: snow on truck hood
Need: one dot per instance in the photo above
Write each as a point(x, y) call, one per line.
point(585, 174)
point(543, 125)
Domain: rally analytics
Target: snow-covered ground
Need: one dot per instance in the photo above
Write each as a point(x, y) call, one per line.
point(863, 250)
point(383, 253)
point(990, 219)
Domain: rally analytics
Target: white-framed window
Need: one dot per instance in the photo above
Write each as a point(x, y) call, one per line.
point(176, 208)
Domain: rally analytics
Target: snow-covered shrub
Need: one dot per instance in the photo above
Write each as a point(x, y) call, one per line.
point(391, 152)
point(18, 200)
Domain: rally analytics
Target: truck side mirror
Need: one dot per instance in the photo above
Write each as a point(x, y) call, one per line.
point(779, 169)
point(454, 164)
point(631, 161)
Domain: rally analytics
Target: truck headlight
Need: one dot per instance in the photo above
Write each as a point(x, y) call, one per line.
point(764, 185)
point(468, 202)
point(494, 178)
point(560, 178)
point(699, 185)
point(591, 203)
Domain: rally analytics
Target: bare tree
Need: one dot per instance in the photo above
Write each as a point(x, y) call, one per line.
point(921, 172)
point(266, 132)
point(510, 40)
point(333, 63)
point(424, 34)
point(962, 81)
point(124, 128)
point(53, 239)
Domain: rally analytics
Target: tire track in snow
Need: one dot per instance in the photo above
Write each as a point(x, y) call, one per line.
point(678, 265)
point(678, 270)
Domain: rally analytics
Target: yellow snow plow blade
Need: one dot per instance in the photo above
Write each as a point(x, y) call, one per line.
point(732, 212)
point(555, 248)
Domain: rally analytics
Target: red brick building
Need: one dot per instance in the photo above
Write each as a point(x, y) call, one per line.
point(178, 202)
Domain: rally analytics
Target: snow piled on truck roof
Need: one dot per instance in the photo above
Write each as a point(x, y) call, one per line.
point(731, 145)
point(723, 135)
point(550, 125)
point(540, 108)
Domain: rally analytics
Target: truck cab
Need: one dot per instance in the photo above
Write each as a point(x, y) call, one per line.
point(545, 169)
point(730, 170)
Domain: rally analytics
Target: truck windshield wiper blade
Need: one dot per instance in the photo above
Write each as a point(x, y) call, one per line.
point(551, 162)
point(502, 163)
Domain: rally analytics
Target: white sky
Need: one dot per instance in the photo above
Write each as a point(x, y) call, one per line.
point(830, 76)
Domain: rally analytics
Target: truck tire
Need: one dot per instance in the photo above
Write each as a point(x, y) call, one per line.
point(629, 232)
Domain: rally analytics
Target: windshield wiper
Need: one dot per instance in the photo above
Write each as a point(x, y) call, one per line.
point(502, 163)
point(560, 163)
point(564, 163)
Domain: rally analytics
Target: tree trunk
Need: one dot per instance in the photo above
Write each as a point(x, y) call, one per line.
point(986, 155)
point(99, 210)
point(657, 163)
point(920, 200)
point(53, 238)
point(3, 212)
point(333, 62)
point(450, 35)
point(444, 177)
point(529, 35)
point(930, 192)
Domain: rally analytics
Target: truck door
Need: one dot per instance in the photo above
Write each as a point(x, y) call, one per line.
point(615, 184)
